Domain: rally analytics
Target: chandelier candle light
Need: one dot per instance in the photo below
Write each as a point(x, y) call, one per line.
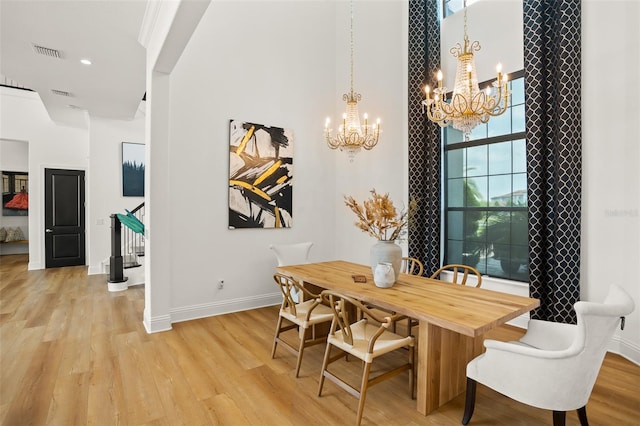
point(468, 106)
point(351, 135)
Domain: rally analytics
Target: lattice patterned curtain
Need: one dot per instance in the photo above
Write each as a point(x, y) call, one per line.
point(424, 137)
point(552, 49)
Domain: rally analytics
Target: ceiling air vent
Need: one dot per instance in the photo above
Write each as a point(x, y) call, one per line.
point(60, 92)
point(46, 51)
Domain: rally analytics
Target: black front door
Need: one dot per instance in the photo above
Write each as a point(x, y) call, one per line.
point(64, 218)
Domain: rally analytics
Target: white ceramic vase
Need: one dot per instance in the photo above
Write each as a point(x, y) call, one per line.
point(386, 252)
point(384, 276)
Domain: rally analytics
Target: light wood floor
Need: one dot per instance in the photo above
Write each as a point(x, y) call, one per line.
point(74, 354)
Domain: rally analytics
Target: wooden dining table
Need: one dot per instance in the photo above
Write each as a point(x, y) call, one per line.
point(452, 319)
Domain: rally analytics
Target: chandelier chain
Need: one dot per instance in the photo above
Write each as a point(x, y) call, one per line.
point(466, 37)
point(351, 45)
point(352, 135)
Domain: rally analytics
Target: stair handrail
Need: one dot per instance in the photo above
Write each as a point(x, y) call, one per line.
point(141, 205)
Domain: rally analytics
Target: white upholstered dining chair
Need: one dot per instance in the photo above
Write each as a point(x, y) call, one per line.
point(292, 254)
point(553, 366)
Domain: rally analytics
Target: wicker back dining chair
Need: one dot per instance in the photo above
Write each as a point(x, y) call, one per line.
point(411, 266)
point(460, 273)
point(363, 340)
point(300, 315)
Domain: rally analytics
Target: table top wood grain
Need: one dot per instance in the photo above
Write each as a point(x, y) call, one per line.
point(466, 310)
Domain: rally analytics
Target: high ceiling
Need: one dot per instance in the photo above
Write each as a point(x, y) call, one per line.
point(103, 31)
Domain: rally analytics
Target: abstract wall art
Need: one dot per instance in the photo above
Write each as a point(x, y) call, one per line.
point(260, 176)
point(132, 169)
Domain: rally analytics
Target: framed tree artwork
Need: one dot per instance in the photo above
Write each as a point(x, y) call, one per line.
point(132, 169)
point(260, 176)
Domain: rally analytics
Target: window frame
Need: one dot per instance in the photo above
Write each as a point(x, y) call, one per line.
point(510, 209)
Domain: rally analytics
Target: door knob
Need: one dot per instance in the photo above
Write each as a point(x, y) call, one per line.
point(48, 230)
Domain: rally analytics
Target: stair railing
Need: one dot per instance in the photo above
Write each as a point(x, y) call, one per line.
point(133, 242)
point(125, 241)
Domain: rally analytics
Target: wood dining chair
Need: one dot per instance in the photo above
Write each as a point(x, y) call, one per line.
point(411, 266)
point(302, 315)
point(408, 265)
point(365, 341)
point(460, 273)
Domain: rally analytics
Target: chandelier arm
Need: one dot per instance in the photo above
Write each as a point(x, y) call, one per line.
point(498, 103)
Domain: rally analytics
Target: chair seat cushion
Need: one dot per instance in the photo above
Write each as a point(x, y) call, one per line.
point(321, 313)
point(362, 334)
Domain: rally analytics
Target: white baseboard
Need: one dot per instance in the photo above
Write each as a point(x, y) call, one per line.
point(187, 313)
point(34, 266)
point(95, 270)
point(203, 310)
point(625, 348)
point(156, 324)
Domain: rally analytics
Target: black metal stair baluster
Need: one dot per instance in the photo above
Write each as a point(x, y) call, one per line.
point(116, 269)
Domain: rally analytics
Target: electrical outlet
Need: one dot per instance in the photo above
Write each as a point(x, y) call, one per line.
point(220, 283)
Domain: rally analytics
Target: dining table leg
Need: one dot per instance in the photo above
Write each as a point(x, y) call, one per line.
point(442, 361)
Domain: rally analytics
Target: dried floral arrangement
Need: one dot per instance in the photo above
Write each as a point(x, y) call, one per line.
point(378, 217)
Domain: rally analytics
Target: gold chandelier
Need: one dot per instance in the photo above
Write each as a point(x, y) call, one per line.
point(351, 135)
point(468, 106)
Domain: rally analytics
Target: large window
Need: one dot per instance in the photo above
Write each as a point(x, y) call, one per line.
point(449, 7)
point(485, 193)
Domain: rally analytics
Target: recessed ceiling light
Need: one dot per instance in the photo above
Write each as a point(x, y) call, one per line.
point(85, 61)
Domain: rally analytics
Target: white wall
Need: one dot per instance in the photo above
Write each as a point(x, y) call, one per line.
point(104, 190)
point(380, 75)
point(504, 17)
point(611, 154)
point(262, 62)
point(14, 157)
point(24, 118)
point(273, 63)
